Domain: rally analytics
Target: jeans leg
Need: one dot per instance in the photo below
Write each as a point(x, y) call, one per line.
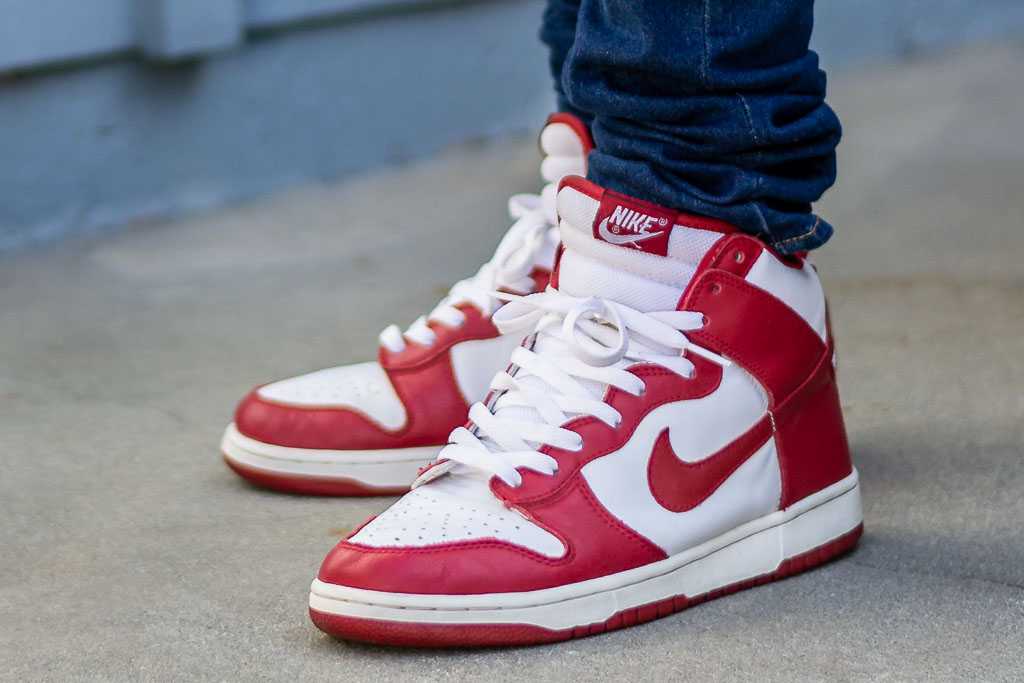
point(710, 106)
point(558, 31)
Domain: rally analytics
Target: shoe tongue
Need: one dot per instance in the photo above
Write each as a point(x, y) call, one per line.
point(565, 143)
point(626, 250)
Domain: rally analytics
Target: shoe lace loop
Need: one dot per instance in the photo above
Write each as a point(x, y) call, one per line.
point(509, 269)
point(580, 348)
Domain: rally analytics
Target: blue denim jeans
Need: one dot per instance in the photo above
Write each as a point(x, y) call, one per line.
point(716, 107)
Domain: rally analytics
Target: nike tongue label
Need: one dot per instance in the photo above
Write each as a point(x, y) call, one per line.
point(633, 224)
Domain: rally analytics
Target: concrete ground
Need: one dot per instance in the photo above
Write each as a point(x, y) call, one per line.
point(128, 551)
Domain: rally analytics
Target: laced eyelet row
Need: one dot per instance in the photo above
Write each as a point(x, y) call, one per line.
point(643, 337)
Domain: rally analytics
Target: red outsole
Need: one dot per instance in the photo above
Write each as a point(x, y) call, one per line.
point(407, 634)
point(310, 486)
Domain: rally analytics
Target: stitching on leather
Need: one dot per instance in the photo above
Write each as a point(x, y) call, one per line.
point(452, 547)
point(785, 468)
point(394, 361)
point(592, 248)
point(703, 464)
point(615, 524)
point(567, 559)
point(754, 367)
point(582, 422)
point(354, 412)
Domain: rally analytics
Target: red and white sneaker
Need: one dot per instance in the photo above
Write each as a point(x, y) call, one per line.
point(366, 429)
point(670, 433)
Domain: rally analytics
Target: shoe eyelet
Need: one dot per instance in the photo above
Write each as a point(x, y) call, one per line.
point(643, 389)
point(715, 288)
point(739, 257)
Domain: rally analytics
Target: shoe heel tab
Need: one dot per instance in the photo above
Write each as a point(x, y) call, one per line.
point(576, 124)
point(581, 185)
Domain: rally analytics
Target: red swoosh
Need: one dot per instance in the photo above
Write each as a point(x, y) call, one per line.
point(680, 486)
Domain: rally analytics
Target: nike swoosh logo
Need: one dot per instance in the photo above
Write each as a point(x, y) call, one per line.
point(608, 236)
point(679, 486)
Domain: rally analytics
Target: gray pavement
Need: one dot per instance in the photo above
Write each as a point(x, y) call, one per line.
point(127, 551)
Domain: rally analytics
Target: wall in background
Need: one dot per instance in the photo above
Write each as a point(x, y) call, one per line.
point(854, 32)
point(127, 139)
point(40, 33)
point(115, 111)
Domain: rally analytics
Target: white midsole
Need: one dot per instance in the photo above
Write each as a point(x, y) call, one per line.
point(745, 552)
point(386, 468)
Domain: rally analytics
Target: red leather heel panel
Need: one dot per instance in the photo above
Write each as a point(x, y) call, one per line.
point(753, 328)
point(811, 437)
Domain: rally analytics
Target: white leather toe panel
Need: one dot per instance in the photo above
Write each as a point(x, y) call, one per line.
point(433, 515)
point(364, 387)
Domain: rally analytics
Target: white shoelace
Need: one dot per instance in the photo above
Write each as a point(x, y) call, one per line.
point(581, 347)
point(509, 269)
